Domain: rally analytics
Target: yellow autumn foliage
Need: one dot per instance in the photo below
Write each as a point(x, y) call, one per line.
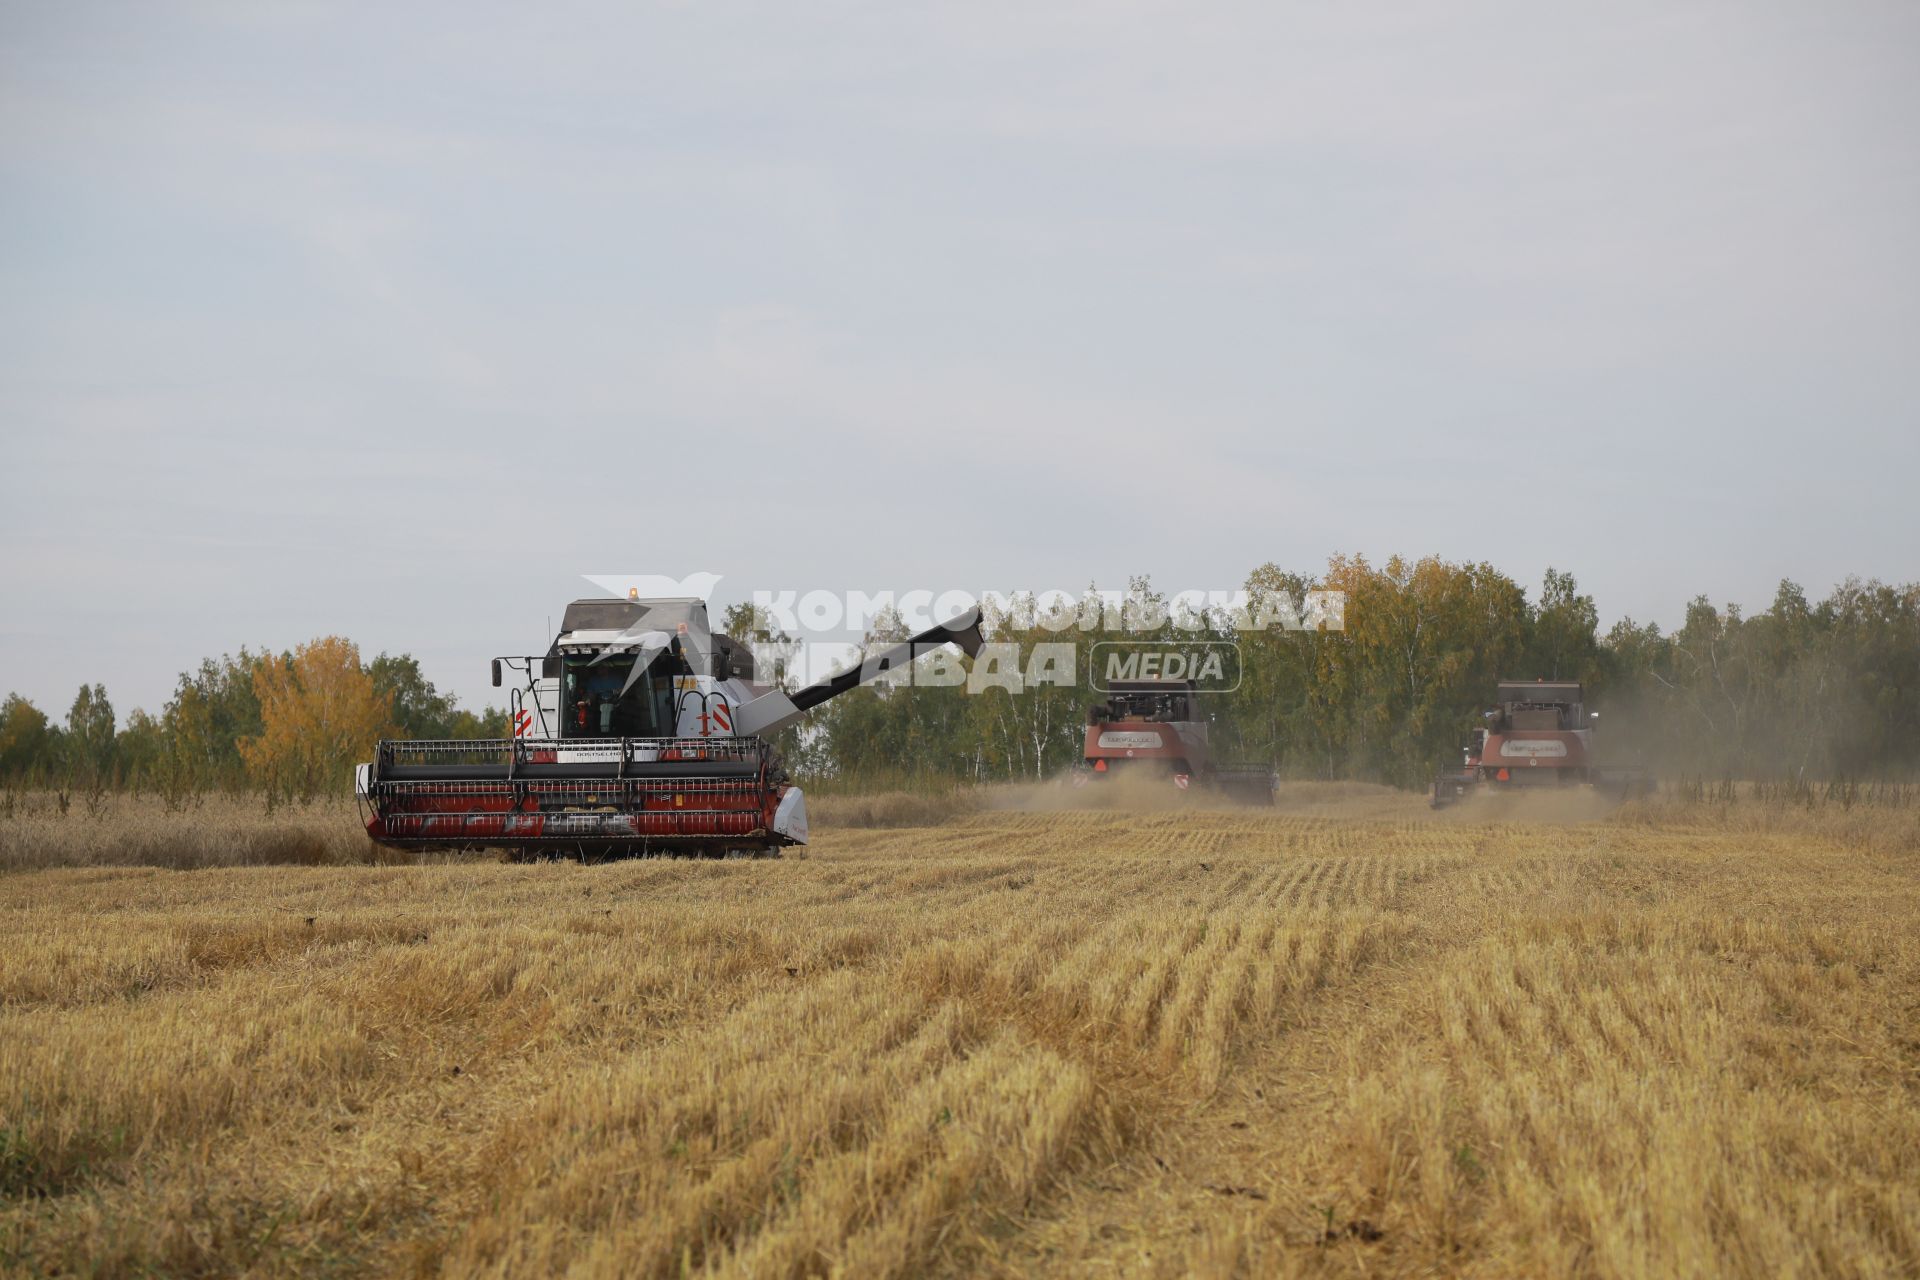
point(320, 714)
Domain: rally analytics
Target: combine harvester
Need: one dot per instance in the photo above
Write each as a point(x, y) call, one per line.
point(639, 731)
point(1540, 738)
point(1154, 727)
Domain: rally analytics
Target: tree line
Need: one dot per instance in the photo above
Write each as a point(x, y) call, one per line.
point(291, 724)
point(1804, 689)
point(1827, 689)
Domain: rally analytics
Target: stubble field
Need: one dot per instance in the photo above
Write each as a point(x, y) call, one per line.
point(1345, 1037)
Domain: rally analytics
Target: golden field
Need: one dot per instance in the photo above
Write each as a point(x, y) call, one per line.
point(1347, 1037)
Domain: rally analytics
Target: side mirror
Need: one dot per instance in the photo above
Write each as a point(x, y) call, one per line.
point(496, 673)
point(1593, 715)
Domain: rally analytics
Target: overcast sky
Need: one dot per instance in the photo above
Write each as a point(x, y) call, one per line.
point(391, 321)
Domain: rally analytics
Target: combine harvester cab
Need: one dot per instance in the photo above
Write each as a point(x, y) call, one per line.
point(1154, 726)
point(639, 731)
point(1539, 737)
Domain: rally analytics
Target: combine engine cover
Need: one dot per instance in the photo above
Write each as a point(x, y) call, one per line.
point(1538, 736)
point(1148, 723)
point(635, 733)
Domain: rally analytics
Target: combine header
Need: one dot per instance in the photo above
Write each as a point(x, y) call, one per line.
point(639, 731)
point(1154, 726)
point(1539, 737)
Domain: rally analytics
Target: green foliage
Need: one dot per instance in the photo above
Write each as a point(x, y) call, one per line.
point(88, 745)
point(490, 723)
point(1800, 691)
point(1565, 645)
point(142, 749)
point(25, 740)
point(419, 710)
point(212, 711)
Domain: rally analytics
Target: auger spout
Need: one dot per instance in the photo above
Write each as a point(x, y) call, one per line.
point(776, 710)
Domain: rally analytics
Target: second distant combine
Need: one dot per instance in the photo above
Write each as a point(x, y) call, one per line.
point(1539, 737)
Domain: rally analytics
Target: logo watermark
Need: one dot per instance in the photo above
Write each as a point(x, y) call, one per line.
point(1030, 639)
point(1211, 666)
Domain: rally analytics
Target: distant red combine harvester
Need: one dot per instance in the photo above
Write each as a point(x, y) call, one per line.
point(1154, 727)
point(1540, 737)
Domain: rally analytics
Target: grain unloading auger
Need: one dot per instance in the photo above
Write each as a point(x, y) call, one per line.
point(638, 731)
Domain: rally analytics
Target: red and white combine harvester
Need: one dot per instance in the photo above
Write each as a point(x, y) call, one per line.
point(1154, 728)
point(638, 731)
point(1539, 738)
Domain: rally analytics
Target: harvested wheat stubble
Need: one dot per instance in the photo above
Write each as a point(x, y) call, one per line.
point(1023, 1042)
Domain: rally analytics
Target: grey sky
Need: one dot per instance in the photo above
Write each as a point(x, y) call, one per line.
point(392, 321)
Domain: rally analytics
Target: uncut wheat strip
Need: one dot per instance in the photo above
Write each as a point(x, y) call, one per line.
point(1614, 1142)
point(1590, 1113)
point(1204, 966)
point(345, 1179)
point(1617, 1134)
point(1267, 888)
point(701, 1130)
point(335, 1020)
point(95, 1080)
point(85, 960)
point(1085, 991)
point(1306, 892)
point(1107, 960)
point(735, 1204)
point(1232, 1003)
point(1129, 1009)
point(973, 1139)
point(1310, 950)
point(1291, 878)
point(1348, 886)
point(1018, 1122)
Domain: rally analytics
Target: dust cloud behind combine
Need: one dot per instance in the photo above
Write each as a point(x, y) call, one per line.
point(1344, 1036)
point(1354, 801)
